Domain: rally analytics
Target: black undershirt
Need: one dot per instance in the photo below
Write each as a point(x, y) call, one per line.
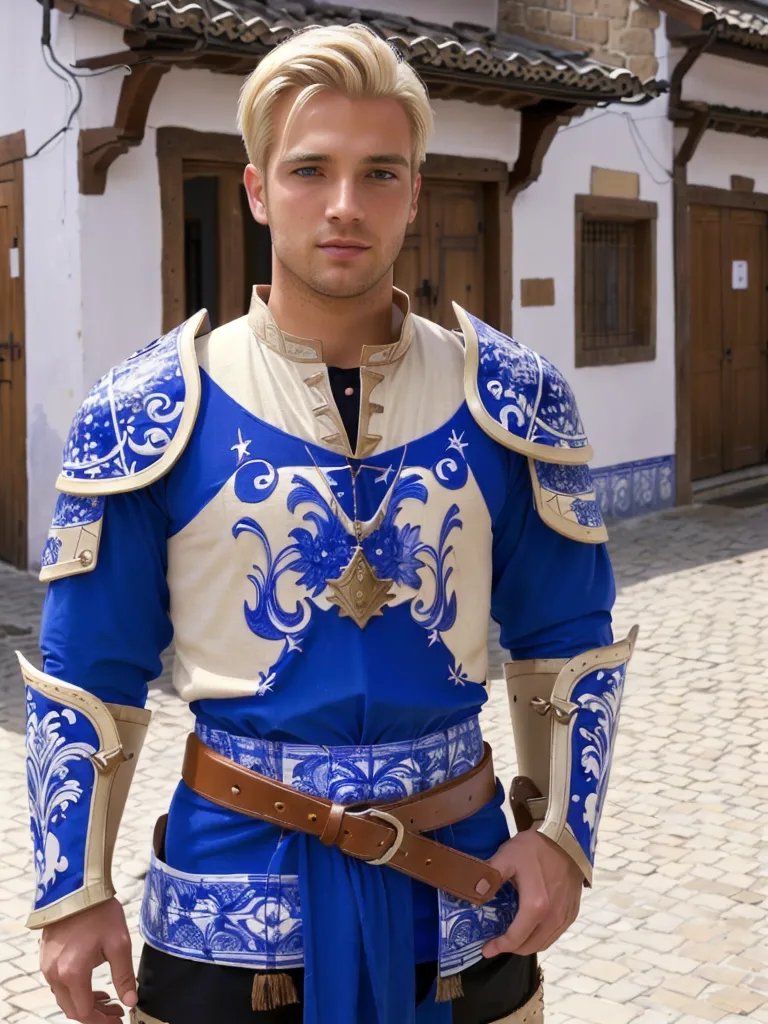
point(347, 404)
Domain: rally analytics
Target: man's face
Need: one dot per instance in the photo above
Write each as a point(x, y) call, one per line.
point(339, 193)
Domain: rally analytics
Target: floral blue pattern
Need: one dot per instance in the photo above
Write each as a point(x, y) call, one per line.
point(241, 920)
point(51, 549)
point(635, 488)
point(569, 481)
point(464, 928)
point(255, 920)
point(594, 733)
point(316, 556)
point(349, 774)
point(73, 511)
point(524, 392)
point(130, 416)
point(60, 777)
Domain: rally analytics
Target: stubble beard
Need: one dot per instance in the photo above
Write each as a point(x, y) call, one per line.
point(319, 284)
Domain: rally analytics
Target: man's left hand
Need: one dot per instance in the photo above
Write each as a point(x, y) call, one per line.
point(549, 886)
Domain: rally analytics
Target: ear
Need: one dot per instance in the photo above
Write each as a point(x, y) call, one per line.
point(415, 200)
point(256, 189)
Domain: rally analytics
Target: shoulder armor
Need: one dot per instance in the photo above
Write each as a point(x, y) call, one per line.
point(129, 431)
point(523, 401)
point(136, 421)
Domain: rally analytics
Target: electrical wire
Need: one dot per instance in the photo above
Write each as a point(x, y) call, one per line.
point(69, 77)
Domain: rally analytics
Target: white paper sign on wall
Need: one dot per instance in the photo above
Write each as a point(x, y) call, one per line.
point(740, 275)
point(14, 260)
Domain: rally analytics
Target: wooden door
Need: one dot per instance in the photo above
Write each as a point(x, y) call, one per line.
point(442, 259)
point(706, 343)
point(728, 339)
point(744, 340)
point(13, 426)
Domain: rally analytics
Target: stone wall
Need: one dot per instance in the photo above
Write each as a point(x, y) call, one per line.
point(618, 32)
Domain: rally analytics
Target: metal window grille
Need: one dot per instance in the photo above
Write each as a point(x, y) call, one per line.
point(609, 285)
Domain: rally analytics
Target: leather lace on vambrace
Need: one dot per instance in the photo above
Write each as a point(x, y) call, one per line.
point(565, 713)
point(81, 756)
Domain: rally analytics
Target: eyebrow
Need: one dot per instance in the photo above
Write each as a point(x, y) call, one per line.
point(396, 159)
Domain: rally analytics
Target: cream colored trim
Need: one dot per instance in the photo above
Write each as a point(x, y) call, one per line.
point(79, 550)
point(121, 730)
point(196, 325)
point(532, 1011)
point(561, 741)
point(527, 680)
point(142, 1017)
point(555, 511)
point(367, 443)
point(310, 350)
point(543, 452)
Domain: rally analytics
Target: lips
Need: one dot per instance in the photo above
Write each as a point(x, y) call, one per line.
point(344, 248)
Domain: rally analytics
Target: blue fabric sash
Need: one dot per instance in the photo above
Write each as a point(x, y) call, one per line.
point(348, 923)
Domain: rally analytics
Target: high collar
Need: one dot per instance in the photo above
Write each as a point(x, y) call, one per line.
point(310, 350)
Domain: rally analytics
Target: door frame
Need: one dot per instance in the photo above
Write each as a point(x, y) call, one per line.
point(687, 196)
point(13, 149)
point(177, 145)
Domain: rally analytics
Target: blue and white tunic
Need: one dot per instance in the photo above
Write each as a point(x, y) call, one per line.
point(210, 497)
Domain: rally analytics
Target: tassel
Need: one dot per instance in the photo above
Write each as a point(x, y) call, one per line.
point(449, 988)
point(271, 990)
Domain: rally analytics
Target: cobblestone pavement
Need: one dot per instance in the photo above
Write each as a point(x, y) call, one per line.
point(676, 926)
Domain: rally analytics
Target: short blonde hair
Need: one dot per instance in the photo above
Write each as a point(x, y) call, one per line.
point(351, 59)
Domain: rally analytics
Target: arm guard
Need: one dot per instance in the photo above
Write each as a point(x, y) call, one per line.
point(564, 717)
point(81, 756)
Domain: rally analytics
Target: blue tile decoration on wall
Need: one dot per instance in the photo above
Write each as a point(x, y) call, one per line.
point(635, 488)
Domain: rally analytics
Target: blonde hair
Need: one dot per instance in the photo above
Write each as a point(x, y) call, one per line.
point(351, 59)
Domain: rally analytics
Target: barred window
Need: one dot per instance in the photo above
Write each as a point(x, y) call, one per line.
point(615, 280)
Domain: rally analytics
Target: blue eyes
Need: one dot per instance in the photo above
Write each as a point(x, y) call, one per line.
point(378, 174)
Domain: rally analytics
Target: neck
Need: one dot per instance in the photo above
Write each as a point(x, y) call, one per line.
point(342, 325)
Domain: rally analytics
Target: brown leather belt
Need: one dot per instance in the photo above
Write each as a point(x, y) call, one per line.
point(383, 834)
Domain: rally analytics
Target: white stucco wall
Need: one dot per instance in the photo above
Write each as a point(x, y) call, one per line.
point(728, 83)
point(628, 410)
point(94, 290)
point(31, 98)
point(720, 154)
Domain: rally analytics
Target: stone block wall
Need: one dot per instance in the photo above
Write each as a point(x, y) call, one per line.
point(618, 32)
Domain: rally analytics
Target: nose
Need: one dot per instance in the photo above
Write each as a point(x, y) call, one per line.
point(343, 203)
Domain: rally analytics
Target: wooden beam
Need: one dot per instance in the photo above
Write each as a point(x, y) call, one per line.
point(463, 168)
point(693, 13)
point(697, 125)
point(708, 196)
point(118, 12)
point(682, 335)
point(537, 130)
point(100, 147)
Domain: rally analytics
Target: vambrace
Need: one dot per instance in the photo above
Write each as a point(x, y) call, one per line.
point(564, 717)
point(81, 756)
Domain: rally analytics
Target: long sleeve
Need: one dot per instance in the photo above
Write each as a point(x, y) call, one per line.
point(552, 596)
point(105, 630)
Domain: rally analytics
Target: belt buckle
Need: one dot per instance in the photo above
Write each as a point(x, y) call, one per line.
point(399, 827)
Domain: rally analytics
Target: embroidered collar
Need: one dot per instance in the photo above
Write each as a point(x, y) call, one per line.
point(309, 350)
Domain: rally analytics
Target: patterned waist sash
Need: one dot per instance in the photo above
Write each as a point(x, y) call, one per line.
point(254, 920)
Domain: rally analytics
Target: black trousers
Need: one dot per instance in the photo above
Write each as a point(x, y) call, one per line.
point(180, 991)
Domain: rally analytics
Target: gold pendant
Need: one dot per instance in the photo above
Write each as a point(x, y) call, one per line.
point(358, 592)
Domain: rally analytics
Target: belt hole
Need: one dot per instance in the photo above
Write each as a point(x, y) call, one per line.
point(235, 791)
point(279, 806)
point(312, 817)
point(346, 833)
point(428, 861)
point(411, 820)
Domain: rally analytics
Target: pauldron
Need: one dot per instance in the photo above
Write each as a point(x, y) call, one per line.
point(81, 756)
point(129, 431)
point(522, 401)
point(565, 715)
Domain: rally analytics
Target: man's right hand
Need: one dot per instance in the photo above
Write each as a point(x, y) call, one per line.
point(71, 949)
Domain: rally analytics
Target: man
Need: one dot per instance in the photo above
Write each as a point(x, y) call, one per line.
point(322, 502)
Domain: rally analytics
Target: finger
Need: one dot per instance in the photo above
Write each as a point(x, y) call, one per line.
point(108, 1005)
point(120, 958)
point(533, 912)
point(548, 932)
point(63, 1000)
